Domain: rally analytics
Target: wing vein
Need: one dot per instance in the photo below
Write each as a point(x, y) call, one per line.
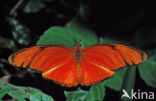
point(106, 57)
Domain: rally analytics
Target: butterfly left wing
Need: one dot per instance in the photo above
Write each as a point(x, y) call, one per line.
point(99, 61)
point(56, 62)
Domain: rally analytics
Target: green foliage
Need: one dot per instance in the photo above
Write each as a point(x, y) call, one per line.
point(68, 36)
point(22, 93)
point(116, 81)
point(78, 95)
point(96, 93)
point(75, 31)
point(129, 81)
point(147, 69)
point(20, 32)
point(33, 6)
point(145, 37)
point(8, 43)
point(88, 37)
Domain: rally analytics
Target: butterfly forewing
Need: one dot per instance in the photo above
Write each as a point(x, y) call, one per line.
point(114, 56)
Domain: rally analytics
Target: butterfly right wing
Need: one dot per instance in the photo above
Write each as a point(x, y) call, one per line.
point(100, 61)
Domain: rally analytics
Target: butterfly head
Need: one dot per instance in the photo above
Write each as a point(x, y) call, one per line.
point(78, 44)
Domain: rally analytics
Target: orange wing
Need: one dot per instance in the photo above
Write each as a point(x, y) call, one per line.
point(99, 61)
point(56, 62)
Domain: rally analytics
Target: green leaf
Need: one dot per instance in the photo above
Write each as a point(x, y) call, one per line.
point(96, 93)
point(65, 37)
point(33, 90)
point(21, 93)
point(46, 98)
point(69, 35)
point(148, 68)
point(34, 6)
point(78, 95)
point(3, 92)
point(35, 97)
point(116, 81)
point(87, 35)
point(57, 36)
point(16, 92)
point(129, 81)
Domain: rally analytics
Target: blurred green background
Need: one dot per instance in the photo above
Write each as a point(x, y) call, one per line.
point(23, 22)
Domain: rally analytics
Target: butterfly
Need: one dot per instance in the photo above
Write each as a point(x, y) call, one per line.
point(79, 66)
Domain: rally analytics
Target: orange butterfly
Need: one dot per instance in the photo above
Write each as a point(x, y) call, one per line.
point(70, 67)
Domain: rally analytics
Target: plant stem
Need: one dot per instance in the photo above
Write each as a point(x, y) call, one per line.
point(13, 10)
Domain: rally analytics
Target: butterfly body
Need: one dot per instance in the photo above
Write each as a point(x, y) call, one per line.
point(78, 56)
point(84, 66)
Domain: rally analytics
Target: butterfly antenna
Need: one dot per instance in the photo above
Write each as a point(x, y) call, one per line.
point(78, 43)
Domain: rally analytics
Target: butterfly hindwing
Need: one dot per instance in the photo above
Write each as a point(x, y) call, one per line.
point(93, 73)
point(64, 74)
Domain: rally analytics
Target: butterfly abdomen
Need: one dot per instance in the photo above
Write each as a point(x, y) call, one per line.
point(78, 72)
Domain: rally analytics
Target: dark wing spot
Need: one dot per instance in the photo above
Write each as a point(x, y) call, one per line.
point(112, 46)
point(43, 47)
